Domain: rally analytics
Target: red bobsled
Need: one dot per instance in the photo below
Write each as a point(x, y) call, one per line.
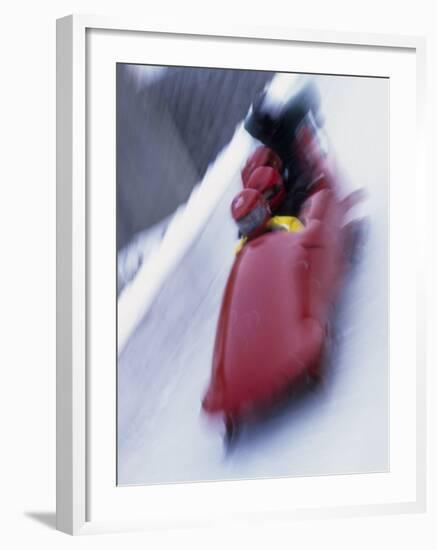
point(276, 307)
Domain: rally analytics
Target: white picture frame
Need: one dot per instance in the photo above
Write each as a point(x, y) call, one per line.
point(74, 461)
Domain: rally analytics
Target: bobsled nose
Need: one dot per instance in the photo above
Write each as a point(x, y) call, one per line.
point(213, 400)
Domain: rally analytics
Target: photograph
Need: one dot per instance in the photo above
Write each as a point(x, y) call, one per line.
point(252, 246)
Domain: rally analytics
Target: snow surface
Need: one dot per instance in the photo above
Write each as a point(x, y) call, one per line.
point(170, 313)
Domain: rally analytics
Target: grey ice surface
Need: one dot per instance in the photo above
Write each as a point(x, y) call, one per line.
point(133, 255)
point(342, 426)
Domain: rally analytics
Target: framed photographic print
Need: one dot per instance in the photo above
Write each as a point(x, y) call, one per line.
point(240, 330)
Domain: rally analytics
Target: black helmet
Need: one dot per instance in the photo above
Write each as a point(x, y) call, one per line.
point(262, 120)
